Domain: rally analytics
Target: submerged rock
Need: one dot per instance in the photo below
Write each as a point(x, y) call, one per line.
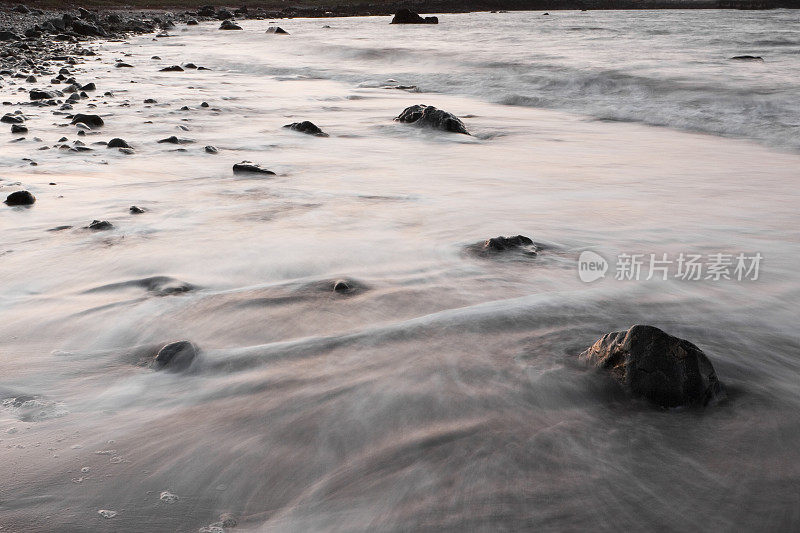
point(247, 167)
point(116, 142)
point(649, 363)
point(306, 127)
point(175, 356)
point(173, 68)
point(431, 117)
point(499, 245)
point(17, 128)
point(100, 225)
point(134, 210)
point(747, 58)
point(175, 140)
point(20, 198)
point(93, 121)
point(229, 25)
point(406, 16)
point(277, 30)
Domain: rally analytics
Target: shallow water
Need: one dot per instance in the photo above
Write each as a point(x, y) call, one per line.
point(442, 393)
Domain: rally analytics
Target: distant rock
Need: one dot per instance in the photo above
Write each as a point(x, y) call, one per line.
point(93, 121)
point(747, 58)
point(229, 25)
point(20, 198)
point(173, 68)
point(406, 16)
point(100, 225)
point(306, 127)
point(211, 149)
point(429, 116)
point(175, 140)
point(665, 370)
point(498, 245)
point(277, 30)
point(136, 210)
point(175, 356)
point(150, 101)
point(17, 128)
point(246, 167)
point(122, 64)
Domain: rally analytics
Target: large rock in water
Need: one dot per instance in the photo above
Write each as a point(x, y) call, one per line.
point(406, 16)
point(423, 115)
point(20, 198)
point(175, 356)
point(306, 127)
point(665, 370)
point(93, 121)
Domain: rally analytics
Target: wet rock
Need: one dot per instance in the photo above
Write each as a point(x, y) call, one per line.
point(651, 364)
point(9, 36)
point(175, 140)
point(150, 101)
point(89, 87)
point(37, 94)
point(431, 117)
point(100, 225)
point(20, 198)
point(747, 58)
point(136, 210)
point(306, 127)
point(127, 151)
point(122, 64)
point(246, 167)
point(504, 244)
point(224, 14)
point(8, 118)
point(206, 11)
point(277, 30)
point(229, 25)
point(93, 121)
point(192, 22)
point(116, 142)
point(175, 356)
point(16, 128)
point(406, 16)
point(211, 149)
point(173, 68)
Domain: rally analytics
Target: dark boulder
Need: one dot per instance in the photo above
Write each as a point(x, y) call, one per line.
point(17, 128)
point(747, 58)
point(246, 167)
point(116, 142)
point(229, 25)
point(93, 121)
point(277, 30)
point(498, 245)
point(306, 127)
point(406, 16)
point(173, 68)
point(134, 210)
point(86, 29)
point(665, 370)
point(175, 140)
point(206, 11)
point(211, 149)
point(429, 116)
point(192, 22)
point(100, 225)
point(122, 64)
point(89, 87)
point(9, 36)
point(8, 118)
point(224, 14)
point(175, 356)
point(37, 94)
point(20, 198)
